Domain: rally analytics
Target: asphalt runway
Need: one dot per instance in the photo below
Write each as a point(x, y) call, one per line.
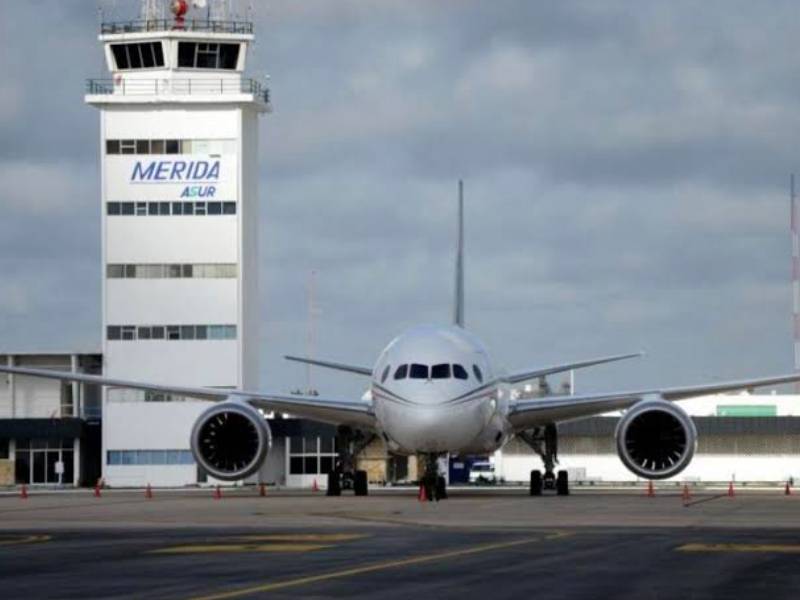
point(476, 545)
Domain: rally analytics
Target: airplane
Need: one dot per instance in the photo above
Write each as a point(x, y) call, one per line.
point(434, 390)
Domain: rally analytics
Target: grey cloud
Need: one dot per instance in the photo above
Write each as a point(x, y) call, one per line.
point(626, 168)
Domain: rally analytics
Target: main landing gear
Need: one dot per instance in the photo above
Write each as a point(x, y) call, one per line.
point(345, 476)
point(544, 441)
point(434, 484)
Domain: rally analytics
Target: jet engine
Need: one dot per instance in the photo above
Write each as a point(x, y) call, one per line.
point(231, 440)
point(656, 439)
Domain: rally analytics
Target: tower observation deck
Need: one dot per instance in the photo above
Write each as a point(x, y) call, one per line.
point(171, 59)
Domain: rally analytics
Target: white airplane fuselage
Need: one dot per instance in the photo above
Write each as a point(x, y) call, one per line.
point(434, 390)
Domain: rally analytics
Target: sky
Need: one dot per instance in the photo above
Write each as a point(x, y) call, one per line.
point(626, 169)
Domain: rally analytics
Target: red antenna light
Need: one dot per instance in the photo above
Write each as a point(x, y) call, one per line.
point(179, 8)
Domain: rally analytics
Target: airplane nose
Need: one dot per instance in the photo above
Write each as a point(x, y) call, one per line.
point(438, 428)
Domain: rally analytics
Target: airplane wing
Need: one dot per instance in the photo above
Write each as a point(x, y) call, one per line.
point(550, 409)
point(332, 365)
point(540, 372)
point(337, 412)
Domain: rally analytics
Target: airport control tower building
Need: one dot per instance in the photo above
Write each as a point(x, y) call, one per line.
point(179, 193)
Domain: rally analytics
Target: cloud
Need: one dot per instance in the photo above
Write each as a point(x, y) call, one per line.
point(626, 169)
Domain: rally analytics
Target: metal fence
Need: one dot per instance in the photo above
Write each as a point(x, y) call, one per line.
point(209, 25)
point(182, 87)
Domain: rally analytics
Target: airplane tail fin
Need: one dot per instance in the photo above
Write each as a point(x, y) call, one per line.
point(458, 306)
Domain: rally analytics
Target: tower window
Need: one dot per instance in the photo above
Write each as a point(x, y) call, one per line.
point(143, 55)
point(200, 55)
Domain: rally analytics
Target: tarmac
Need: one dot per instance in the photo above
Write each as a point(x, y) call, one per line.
point(484, 543)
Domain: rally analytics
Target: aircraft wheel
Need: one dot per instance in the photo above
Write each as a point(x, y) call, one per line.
point(562, 484)
point(536, 483)
point(334, 484)
point(360, 485)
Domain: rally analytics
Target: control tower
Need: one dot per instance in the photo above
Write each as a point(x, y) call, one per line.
point(179, 194)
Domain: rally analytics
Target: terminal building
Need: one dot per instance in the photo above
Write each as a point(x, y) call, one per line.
point(179, 205)
point(49, 431)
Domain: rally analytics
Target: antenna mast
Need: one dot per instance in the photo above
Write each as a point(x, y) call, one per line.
point(152, 10)
point(795, 226)
point(311, 331)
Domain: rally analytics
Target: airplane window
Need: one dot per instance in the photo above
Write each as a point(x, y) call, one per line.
point(402, 372)
point(460, 372)
point(419, 371)
point(478, 373)
point(440, 371)
point(385, 374)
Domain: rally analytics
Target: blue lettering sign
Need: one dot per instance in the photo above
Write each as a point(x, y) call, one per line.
point(176, 171)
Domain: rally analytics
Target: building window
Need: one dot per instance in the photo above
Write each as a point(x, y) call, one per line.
point(129, 333)
point(144, 55)
point(166, 209)
point(311, 455)
point(149, 457)
point(199, 55)
point(199, 271)
point(159, 146)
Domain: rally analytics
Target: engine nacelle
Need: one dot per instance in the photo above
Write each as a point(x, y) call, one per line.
point(656, 439)
point(231, 440)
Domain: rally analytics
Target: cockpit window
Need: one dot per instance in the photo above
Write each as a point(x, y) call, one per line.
point(402, 372)
point(385, 374)
point(419, 371)
point(460, 372)
point(478, 374)
point(440, 371)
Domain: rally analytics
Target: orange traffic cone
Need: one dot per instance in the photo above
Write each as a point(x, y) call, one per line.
point(314, 486)
point(787, 490)
point(651, 491)
point(423, 496)
point(686, 496)
point(731, 491)
point(262, 490)
point(23, 493)
point(217, 493)
point(148, 492)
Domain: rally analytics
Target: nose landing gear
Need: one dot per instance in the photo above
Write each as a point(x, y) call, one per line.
point(434, 484)
point(544, 441)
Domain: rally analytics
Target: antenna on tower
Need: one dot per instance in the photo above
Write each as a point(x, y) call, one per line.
point(311, 340)
point(795, 226)
point(152, 10)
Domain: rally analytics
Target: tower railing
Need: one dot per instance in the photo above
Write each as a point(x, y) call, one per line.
point(207, 25)
point(119, 86)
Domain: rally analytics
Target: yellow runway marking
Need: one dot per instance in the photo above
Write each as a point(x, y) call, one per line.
point(773, 548)
point(23, 539)
point(273, 542)
point(303, 537)
point(229, 548)
point(391, 564)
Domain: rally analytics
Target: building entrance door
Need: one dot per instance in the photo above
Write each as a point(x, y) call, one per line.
point(45, 463)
